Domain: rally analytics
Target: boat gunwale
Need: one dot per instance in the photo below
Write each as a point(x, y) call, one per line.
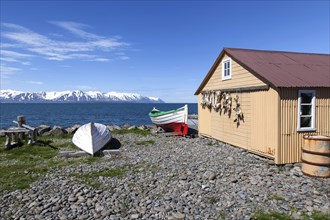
point(161, 113)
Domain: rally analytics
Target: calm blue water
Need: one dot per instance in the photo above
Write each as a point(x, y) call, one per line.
point(68, 114)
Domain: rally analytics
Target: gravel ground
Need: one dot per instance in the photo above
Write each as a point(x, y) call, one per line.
point(170, 178)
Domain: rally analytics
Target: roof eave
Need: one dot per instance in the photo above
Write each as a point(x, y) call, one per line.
point(215, 64)
point(210, 72)
point(251, 70)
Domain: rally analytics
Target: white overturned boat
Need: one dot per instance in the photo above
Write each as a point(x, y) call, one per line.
point(91, 137)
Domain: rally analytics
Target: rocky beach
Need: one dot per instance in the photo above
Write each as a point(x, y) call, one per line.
point(159, 176)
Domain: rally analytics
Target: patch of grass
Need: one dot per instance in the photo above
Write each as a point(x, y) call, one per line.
point(61, 162)
point(281, 168)
point(209, 143)
point(115, 172)
point(132, 131)
point(294, 209)
point(92, 178)
point(124, 208)
point(222, 216)
point(273, 215)
point(212, 200)
point(91, 160)
point(148, 142)
point(63, 142)
point(22, 165)
point(317, 215)
point(153, 168)
point(276, 197)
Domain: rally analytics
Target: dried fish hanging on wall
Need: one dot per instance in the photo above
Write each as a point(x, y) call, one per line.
point(222, 101)
point(226, 103)
point(205, 99)
point(212, 99)
point(239, 114)
point(203, 102)
point(216, 100)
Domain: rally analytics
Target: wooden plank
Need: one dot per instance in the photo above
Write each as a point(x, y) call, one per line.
point(25, 126)
point(74, 154)
point(243, 89)
point(16, 131)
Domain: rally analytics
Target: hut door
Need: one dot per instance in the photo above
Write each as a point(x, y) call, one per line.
point(204, 122)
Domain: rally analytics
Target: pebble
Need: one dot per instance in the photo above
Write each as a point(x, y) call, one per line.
point(172, 178)
point(178, 215)
point(72, 199)
point(134, 216)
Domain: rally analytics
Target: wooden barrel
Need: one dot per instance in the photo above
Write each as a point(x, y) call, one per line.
point(317, 144)
point(316, 156)
point(316, 159)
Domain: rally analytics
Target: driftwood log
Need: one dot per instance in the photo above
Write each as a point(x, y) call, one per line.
point(72, 154)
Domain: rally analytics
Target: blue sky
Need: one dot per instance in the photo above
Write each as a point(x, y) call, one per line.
point(154, 48)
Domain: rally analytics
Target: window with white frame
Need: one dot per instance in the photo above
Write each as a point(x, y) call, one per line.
point(306, 110)
point(226, 69)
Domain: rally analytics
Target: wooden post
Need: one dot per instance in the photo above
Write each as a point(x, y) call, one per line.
point(14, 135)
point(20, 120)
point(32, 137)
point(7, 144)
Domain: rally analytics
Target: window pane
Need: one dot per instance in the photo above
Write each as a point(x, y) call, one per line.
point(306, 109)
point(226, 65)
point(305, 122)
point(306, 97)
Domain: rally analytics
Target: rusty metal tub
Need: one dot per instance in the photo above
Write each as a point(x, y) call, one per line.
point(316, 156)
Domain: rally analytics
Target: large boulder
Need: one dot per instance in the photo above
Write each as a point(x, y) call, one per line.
point(145, 127)
point(113, 127)
point(43, 129)
point(73, 129)
point(132, 127)
point(2, 133)
point(55, 131)
point(126, 126)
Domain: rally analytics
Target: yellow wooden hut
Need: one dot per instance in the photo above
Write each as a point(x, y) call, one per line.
point(266, 101)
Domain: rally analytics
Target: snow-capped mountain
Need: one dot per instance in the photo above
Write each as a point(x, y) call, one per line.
point(74, 96)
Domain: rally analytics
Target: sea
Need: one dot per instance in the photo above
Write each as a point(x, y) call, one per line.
point(69, 114)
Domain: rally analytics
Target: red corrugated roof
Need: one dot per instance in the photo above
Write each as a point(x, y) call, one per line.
point(280, 69)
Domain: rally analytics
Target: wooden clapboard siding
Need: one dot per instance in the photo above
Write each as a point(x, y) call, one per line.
point(240, 78)
point(270, 111)
point(204, 119)
point(291, 140)
point(225, 129)
point(252, 133)
point(265, 122)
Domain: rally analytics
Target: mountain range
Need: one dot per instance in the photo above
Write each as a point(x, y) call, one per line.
point(75, 96)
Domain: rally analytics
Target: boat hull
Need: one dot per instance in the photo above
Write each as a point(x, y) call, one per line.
point(178, 128)
point(171, 121)
point(91, 137)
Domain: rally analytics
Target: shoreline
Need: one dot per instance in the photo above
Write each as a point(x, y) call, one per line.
point(47, 130)
point(155, 176)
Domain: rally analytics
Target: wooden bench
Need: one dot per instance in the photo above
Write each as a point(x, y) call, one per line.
point(16, 135)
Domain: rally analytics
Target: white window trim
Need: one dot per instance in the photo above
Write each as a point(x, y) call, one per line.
point(312, 128)
point(223, 69)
